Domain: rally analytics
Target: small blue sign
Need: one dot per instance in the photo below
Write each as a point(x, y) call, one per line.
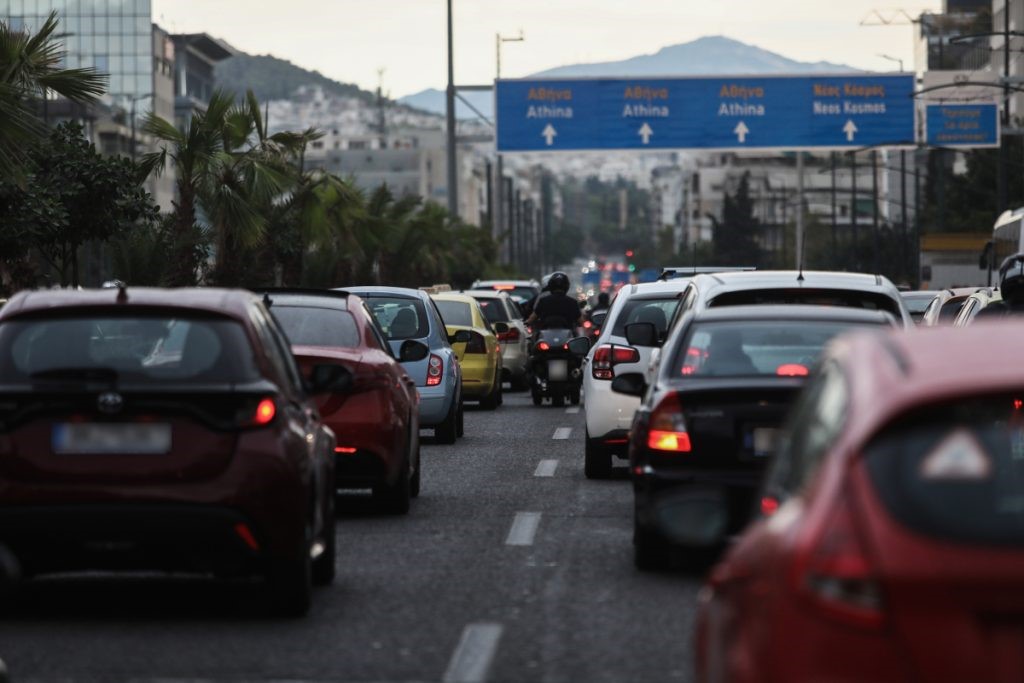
point(962, 125)
point(745, 112)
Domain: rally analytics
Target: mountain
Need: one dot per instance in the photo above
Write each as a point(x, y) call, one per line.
point(712, 55)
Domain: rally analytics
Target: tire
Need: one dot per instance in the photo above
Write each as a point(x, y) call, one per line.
point(537, 397)
point(597, 460)
point(460, 421)
point(324, 566)
point(650, 550)
point(493, 399)
point(290, 583)
point(394, 498)
point(414, 483)
point(574, 397)
point(558, 400)
point(448, 431)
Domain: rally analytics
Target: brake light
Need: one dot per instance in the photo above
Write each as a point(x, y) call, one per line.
point(666, 429)
point(834, 572)
point(792, 370)
point(607, 356)
point(543, 346)
point(245, 533)
point(264, 413)
point(347, 450)
point(435, 370)
point(587, 324)
point(476, 343)
point(769, 505)
point(511, 336)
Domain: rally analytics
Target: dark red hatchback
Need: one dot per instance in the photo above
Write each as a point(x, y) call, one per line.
point(148, 429)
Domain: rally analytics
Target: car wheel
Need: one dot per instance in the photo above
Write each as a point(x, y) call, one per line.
point(460, 425)
point(597, 460)
point(290, 582)
point(394, 498)
point(324, 566)
point(414, 484)
point(492, 399)
point(537, 397)
point(448, 431)
point(650, 550)
point(574, 397)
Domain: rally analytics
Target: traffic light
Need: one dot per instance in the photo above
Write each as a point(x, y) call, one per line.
point(629, 253)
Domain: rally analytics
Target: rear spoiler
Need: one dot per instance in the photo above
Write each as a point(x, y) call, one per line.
point(690, 271)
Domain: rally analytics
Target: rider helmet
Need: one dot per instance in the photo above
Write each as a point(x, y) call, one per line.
point(558, 282)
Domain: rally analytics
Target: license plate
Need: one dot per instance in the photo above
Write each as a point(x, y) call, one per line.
point(558, 370)
point(115, 438)
point(764, 441)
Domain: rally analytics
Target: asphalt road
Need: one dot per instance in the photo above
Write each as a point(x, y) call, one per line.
point(499, 573)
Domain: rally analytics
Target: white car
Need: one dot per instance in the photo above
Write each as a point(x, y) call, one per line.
point(610, 414)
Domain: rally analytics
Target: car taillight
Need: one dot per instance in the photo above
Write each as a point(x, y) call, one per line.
point(666, 428)
point(435, 370)
point(511, 336)
point(256, 412)
point(834, 572)
point(476, 343)
point(607, 356)
point(792, 370)
point(587, 324)
point(543, 346)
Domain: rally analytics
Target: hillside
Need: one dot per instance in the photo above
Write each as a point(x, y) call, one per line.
point(271, 78)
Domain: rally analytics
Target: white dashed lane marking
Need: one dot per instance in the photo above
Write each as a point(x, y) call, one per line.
point(562, 433)
point(546, 468)
point(524, 528)
point(572, 410)
point(471, 661)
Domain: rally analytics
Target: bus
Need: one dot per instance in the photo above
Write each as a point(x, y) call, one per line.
point(1006, 241)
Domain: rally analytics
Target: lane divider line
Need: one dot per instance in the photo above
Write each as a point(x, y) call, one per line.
point(572, 410)
point(546, 468)
point(524, 528)
point(471, 661)
point(562, 433)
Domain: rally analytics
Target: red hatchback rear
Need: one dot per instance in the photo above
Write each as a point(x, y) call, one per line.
point(161, 430)
point(892, 546)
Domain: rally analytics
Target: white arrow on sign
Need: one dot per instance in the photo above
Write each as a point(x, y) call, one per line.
point(850, 129)
point(549, 134)
point(645, 133)
point(741, 131)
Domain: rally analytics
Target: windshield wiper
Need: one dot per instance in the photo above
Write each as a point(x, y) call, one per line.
point(93, 374)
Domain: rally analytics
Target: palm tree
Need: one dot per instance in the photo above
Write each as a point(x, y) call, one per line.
point(30, 67)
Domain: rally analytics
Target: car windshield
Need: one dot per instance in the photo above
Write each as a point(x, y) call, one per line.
point(316, 326)
point(400, 317)
point(844, 298)
point(493, 310)
point(955, 470)
point(455, 312)
point(135, 349)
point(754, 348)
point(656, 311)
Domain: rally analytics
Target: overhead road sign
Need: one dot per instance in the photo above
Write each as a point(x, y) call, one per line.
point(962, 125)
point(745, 112)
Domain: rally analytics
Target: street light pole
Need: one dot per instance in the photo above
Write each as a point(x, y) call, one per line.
point(893, 59)
point(453, 175)
point(498, 225)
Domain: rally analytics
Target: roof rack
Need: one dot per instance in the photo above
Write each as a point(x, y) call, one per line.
point(689, 271)
point(436, 289)
point(267, 292)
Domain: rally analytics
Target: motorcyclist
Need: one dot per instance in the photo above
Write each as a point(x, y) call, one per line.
point(556, 309)
point(601, 306)
point(1011, 288)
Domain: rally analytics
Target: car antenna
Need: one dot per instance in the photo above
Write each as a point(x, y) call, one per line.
point(267, 301)
point(800, 263)
point(122, 293)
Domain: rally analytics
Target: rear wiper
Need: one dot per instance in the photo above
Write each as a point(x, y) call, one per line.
point(93, 374)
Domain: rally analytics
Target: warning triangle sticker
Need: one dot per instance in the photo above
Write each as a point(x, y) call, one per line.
point(959, 457)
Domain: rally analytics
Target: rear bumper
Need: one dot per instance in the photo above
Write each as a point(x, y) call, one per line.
point(434, 404)
point(514, 362)
point(362, 469)
point(478, 375)
point(662, 496)
point(607, 412)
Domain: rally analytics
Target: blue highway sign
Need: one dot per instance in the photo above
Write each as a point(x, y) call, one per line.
point(962, 125)
point(745, 112)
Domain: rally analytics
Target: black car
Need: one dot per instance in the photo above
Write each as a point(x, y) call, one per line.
point(701, 439)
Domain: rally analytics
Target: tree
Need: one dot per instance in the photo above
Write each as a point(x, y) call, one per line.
point(30, 67)
point(735, 236)
point(73, 196)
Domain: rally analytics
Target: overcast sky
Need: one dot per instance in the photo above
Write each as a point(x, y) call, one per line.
point(349, 40)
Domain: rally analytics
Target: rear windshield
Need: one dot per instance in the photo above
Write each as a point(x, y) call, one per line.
point(812, 297)
point(917, 304)
point(315, 326)
point(128, 349)
point(754, 348)
point(956, 470)
point(455, 313)
point(493, 310)
point(657, 311)
point(951, 308)
point(400, 318)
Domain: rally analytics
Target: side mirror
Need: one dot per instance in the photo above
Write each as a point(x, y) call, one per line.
point(580, 346)
point(599, 318)
point(330, 379)
point(642, 334)
point(460, 337)
point(500, 328)
point(412, 351)
point(630, 384)
point(986, 256)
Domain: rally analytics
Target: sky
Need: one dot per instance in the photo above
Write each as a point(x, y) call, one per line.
point(350, 40)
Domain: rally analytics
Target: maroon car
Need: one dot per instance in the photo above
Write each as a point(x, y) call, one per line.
point(169, 430)
point(377, 420)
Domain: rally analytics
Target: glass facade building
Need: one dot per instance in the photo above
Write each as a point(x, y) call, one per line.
point(114, 36)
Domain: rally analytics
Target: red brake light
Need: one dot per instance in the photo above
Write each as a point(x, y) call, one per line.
point(792, 370)
point(769, 505)
point(511, 336)
point(543, 346)
point(607, 356)
point(246, 535)
point(587, 324)
point(666, 429)
point(265, 412)
point(435, 370)
point(834, 572)
point(347, 450)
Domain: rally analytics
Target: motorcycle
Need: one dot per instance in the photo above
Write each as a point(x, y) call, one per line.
point(556, 362)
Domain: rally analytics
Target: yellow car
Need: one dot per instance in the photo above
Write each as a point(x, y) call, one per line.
point(480, 356)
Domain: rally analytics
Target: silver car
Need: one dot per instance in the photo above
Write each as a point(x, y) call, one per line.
point(498, 307)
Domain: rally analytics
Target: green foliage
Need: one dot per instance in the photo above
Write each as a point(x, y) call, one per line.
point(270, 78)
point(735, 237)
point(593, 214)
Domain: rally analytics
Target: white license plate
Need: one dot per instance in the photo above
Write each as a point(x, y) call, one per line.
point(558, 370)
point(764, 441)
point(116, 438)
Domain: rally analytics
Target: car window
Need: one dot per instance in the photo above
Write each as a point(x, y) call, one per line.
point(376, 339)
point(929, 313)
point(814, 297)
point(455, 312)
point(400, 317)
point(955, 470)
point(493, 309)
point(951, 308)
point(967, 312)
point(316, 326)
point(279, 351)
point(136, 349)
point(656, 311)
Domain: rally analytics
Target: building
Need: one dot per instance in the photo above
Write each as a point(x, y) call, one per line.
point(195, 57)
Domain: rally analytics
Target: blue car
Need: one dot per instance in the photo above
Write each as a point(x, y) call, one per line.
point(411, 314)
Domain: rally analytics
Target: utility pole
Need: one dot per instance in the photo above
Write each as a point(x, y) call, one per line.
point(874, 201)
point(800, 211)
point(903, 203)
point(1003, 187)
point(453, 174)
point(499, 226)
point(835, 245)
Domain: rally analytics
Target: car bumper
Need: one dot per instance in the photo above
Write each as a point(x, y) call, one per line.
point(435, 403)
point(478, 375)
point(607, 413)
point(676, 502)
point(514, 362)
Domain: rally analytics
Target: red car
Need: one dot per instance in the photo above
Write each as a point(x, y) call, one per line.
point(891, 543)
point(377, 418)
point(169, 430)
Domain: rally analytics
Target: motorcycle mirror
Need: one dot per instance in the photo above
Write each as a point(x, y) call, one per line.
point(579, 346)
point(642, 334)
point(630, 384)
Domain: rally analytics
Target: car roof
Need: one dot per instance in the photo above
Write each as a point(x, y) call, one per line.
point(230, 302)
point(484, 293)
point(764, 279)
point(308, 298)
point(673, 286)
point(795, 312)
point(891, 372)
point(453, 296)
point(517, 283)
point(378, 290)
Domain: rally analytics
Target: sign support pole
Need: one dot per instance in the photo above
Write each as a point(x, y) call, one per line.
point(800, 211)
